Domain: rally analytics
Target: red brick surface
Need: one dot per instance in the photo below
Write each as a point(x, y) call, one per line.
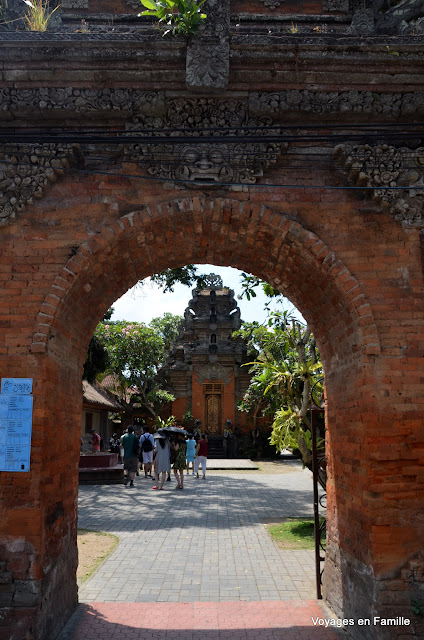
point(353, 271)
point(202, 621)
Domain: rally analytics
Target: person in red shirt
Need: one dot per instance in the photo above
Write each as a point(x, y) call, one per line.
point(201, 455)
point(95, 440)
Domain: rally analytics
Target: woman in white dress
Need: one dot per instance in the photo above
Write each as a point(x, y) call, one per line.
point(162, 462)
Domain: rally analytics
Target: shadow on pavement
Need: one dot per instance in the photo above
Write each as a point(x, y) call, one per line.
point(224, 501)
point(199, 621)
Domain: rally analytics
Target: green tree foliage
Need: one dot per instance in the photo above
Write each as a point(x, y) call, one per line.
point(187, 275)
point(167, 327)
point(285, 371)
point(97, 360)
point(136, 351)
point(181, 17)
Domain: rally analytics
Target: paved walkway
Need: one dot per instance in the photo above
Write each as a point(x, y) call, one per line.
point(199, 621)
point(207, 542)
point(198, 563)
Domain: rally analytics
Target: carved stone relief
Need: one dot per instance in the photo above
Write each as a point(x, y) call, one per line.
point(389, 17)
point(393, 18)
point(208, 51)
point(80, 101)
point(395, 176)
point(199, 163)
point(363, 22)
point(214, 372)
point(187, 112)
point(136, 5)
point(272, 4)
point(339, 6)
point(335, 102)
point(26, 172)
point(74, 4)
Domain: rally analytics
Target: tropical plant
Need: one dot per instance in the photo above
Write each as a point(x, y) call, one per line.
point(179, 17)
point(38, 15)
point(284, 373)
point(163, 424)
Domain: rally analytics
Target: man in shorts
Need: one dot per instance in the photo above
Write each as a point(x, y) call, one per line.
point(147, 444)
point(129, 442)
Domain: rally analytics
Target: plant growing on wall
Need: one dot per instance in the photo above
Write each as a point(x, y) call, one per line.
point(38, 15)
point(179, 17)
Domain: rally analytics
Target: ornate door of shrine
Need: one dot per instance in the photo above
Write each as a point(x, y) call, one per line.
point(213, 408)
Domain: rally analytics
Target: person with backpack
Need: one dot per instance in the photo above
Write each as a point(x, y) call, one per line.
point(147, 444)
point(131, 445)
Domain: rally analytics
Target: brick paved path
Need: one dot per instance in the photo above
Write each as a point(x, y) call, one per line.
point(207, 542)
point(200, 621)
point(198, 563)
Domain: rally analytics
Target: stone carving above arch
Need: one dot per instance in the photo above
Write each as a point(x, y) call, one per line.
point(395, 175)
point(335, 102)
point(214, 371)
point(26, 171)
point(198, 163)
point(272, 4)
point(335, 6)
point(206, 111)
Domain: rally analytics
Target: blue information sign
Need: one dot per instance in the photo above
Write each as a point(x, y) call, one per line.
point(15, 424)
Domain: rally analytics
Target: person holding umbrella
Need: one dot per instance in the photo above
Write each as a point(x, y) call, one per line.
point(180, 448)
point(162, 464)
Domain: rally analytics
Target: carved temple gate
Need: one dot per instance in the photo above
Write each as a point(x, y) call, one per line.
point(284, 139)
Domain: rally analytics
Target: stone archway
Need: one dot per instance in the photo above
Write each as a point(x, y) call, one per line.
point(39, 526)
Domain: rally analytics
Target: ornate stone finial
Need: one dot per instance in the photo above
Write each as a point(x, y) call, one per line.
point(212, 281)
point(208, 52)
point(385, 168)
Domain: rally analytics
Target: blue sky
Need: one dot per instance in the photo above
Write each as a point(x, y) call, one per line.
point(141, 304)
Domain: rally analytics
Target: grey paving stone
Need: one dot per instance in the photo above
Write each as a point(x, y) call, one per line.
point(207, 543)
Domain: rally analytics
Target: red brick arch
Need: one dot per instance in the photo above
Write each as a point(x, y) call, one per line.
point(372, 375)
point(247, 236)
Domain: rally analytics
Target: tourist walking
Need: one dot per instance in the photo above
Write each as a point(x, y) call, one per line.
point(201, 455)
point(179, 465)
point(162, 464)
point(147, 444)
point(191, 453)
point(114, 443)
point(95, 441)
point(130, 444)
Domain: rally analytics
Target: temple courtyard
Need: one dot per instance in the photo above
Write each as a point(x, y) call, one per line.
point(199, 563)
